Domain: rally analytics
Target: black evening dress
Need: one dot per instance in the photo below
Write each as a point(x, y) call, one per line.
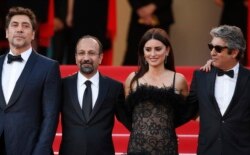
point(153, 112)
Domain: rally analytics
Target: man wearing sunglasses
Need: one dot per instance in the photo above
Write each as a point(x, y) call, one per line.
point(222, 96)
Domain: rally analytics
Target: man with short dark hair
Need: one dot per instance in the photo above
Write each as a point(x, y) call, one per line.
point(29, 91)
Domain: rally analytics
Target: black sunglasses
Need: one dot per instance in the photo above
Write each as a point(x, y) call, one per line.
point(217, 48)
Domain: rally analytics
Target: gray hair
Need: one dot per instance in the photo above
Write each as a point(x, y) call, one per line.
point(233, 37)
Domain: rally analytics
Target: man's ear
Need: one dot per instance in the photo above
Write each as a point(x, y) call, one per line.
point(6, 33)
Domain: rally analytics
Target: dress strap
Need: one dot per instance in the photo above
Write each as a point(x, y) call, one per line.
point(137, 83)
point(174, 80)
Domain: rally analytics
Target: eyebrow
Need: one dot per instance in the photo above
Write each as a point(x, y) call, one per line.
point(86, 51)
point(153, 46)
point(21, 22)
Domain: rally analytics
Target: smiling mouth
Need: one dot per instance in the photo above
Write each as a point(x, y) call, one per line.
point(153, 60)
point(18, 37)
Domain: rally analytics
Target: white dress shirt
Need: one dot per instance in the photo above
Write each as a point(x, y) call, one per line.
point(224, 89)
point(11, 72)
point(81, 87)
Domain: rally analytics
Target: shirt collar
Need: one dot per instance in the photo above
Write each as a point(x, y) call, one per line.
point(236, 69)
point(94, 79)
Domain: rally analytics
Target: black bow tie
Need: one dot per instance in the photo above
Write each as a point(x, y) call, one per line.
point(229, 73)
point(14, 58)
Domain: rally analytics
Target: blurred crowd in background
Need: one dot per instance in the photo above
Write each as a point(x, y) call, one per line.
point(63, 22)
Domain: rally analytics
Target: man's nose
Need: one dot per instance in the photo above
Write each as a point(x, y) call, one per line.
point(19, 28)
point(213, 52)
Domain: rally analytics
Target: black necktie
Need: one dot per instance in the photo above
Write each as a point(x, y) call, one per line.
point(229, 73)
point(14, 58)
point(87, 100)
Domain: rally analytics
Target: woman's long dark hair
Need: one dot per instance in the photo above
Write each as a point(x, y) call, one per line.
point(162, 36)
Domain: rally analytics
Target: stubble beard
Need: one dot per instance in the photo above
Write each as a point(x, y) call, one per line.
point(18, 43)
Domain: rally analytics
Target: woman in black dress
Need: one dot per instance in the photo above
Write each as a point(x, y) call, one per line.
point(154, 97)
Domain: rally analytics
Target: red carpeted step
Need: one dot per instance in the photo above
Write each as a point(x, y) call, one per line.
point(120, 142)
point(57, 142)
point(187, 135)
point(187, 143)
point(191, 127)
point(119, 128)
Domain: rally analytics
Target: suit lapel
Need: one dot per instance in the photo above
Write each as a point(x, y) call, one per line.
point(211, 84)
point(73, 93)
point(243, 76)
point(103, 89)
point(23, 78)
point(2, 100)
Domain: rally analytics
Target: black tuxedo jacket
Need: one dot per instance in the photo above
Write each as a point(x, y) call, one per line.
point(222, 135)
point(93, 137)
point(29, 120)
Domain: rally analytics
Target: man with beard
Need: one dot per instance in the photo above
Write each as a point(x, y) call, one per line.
point(90, 102)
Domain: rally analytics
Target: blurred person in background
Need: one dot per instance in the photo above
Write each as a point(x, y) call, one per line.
point(146, 14)
point(88, 17)
point(235, 13)
point(61, 38)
